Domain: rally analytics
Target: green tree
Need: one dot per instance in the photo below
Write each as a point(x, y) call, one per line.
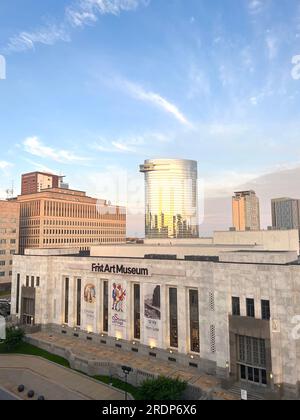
point(162, 389)
point(14, 338)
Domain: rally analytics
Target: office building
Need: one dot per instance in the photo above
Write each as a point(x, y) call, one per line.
point(229, 315)
point(9, 240)
point(35, 182)
point(171, 198)
point(63, 218)
point(245, 211)
point(285, 213)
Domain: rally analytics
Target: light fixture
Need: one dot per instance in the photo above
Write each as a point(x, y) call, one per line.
point(192, 357)
point(271, 376)
point(171, 351)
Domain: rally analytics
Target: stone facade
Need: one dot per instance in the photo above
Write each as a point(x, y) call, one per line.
point(216, 283)
point(9, 240)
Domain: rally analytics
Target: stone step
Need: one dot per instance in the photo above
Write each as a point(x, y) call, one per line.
point(252, 396)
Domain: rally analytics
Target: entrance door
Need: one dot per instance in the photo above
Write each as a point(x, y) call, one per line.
point(253, 375)
point(28, 309)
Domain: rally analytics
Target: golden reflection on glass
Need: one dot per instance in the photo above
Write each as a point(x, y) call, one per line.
point(171, 198)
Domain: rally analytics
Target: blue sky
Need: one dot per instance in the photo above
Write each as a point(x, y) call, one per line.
point(94, 87)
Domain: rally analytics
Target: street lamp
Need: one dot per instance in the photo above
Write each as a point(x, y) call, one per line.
point(126, 371)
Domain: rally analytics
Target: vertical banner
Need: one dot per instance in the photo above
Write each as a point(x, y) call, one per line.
point(152, 313)
point(119, 309)
point(89, 312)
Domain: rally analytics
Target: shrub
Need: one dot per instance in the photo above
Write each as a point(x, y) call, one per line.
point(162, 389)
point(14, 338)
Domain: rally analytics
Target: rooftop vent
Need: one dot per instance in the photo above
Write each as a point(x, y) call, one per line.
point(160, 257)
point(201, 258)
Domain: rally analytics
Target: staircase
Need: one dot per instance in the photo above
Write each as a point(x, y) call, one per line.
point(252, 395)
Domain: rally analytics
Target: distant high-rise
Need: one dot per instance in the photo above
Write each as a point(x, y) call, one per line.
point(64, 218)
point(245, 211)
point(9, 240)
point(35, 182)
point(171, 198)
point(285, 213)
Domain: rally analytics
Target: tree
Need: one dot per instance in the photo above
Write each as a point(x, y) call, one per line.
point(14, 337)
point(162, 389)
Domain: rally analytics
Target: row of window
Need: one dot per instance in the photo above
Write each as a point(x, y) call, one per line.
point(50, 222)
point(250, 308)
point(4, 251)
point(6, 241)
point(3, 273)
point(82, 240)
point(3, 263)
point(109, 231)
point(32, 281)
point(83, 211)
point(4, 231)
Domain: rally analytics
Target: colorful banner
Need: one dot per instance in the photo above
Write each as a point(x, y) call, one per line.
point(89, 312)
point(119, 309)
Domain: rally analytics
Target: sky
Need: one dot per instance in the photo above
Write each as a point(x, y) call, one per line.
point(91, 88)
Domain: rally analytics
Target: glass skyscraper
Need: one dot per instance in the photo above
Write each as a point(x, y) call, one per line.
point(171, 198)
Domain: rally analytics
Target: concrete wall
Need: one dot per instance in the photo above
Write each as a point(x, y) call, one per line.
point(270, 240)
point(139, 251)
point(259, 257)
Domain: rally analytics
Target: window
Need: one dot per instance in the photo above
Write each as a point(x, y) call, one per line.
point(173, 317)
point(194, 321)
point(105, 306)
point(252, 359)
point(250, 308)
point(27, 281)
point(137, 312)
point(252, 351)
point(2, 273)
point(32, 281)
point(236, 307)
point(67, 284)
point(18, 294)
point(265, 310)
point(2, 252)
point(2, 263)
point(78, 309)
point(37, 282)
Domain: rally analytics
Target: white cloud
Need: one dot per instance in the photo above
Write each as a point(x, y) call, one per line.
point(5, 166)
point(199, 82)
point(80, 14)
point(255, 6)
point(48, 35)
point(88, 11)
point(272, 46)
point(138, 92)
point(35, 147)
point(131, 144)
